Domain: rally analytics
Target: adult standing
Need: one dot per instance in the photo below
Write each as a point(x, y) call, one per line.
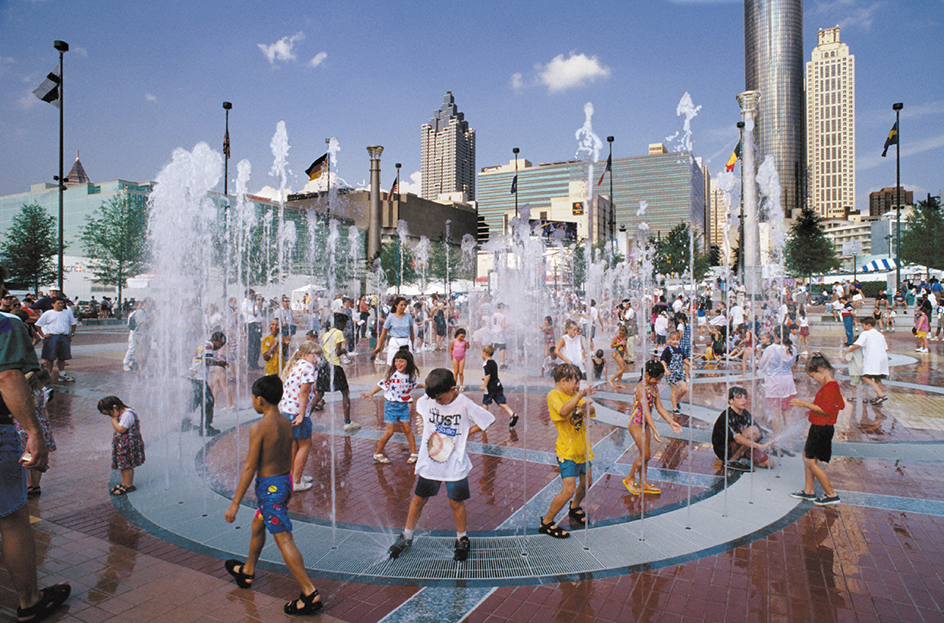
point(285, 318)
point(252, 317)
point(139, 339)
point(399, 326)
point(16, 402)
point(777, 365)
point(56, 327)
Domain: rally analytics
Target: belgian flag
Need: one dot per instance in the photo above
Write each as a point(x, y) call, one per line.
point(729, 165)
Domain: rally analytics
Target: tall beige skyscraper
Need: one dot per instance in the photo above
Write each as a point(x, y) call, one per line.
point(447, 156)
point(830, 125)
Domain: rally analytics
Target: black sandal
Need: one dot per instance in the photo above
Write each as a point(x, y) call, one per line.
point(553, 530)
point(578, 515)
point(33, 492)
point(121, 489)
point(52, 597)
point(243, 580)
point(309, 605)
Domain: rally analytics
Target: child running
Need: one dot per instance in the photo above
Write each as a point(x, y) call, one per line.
point(127, 446)
point(675, 360)
point(646, 399)
point(457, 350)
point(619, 356)
point(397, 385)
point(300, 376)
point(823, 412)
point(449, 418)
point(269, 461)
point(492, 386)
point(567, 408)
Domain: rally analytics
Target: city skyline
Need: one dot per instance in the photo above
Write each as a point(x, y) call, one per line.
point(132, 95)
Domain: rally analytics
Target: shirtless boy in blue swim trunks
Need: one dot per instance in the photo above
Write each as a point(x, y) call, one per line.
point(270, 456)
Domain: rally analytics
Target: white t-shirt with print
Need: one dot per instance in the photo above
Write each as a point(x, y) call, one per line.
point(451, 424)
point(398, 387)
point(302, 372)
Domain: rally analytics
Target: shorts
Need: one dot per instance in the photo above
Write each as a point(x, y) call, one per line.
point(396, 412)
point(499, 345)
point(819, 442)
point(57, 348)
point(303, 430)
point(774, 403)
point(12, 474)
point(272, 494)
point(660, 339)
point(804, 330)
point(570, 469)
point(498, 396)
point(875, 377)
point(324, 380)
point(456, 490)
point(753, 454)
point(675, 379)
point(920, 334)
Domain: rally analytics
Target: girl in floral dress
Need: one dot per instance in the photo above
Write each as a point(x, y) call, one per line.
point(127, 445)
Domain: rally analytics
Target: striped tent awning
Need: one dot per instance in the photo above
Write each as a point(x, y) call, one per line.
point(878, 266)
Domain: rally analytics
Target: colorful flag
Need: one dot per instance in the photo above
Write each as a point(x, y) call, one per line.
point(891, 140)
point(226, 144)
point(729, 165)
point(48, 91)
point(609, 167)
point(514, 185)
point(393, 191)
point(317, 167)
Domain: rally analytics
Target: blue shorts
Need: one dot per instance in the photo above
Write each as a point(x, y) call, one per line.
point(498, 397)
point(569, 469)
point(57, 348)
point(12, 474)
point(272, 494)
point(303, 430)
point(396, 412)
point(456, 490)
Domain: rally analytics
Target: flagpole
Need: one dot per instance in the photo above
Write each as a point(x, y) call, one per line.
point(609, 139)
point(63, 47)
point(897, 107)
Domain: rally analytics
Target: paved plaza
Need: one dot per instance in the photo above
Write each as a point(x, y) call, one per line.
point(714, 546)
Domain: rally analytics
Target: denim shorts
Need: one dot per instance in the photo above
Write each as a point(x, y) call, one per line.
point(12, 474)
point(570, 469)
point(303, 430)
point(57, 347)
point(457, 490)
point(396, 412)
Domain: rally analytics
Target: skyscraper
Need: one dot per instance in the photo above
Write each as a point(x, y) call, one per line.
point(773, 65)
point(830, 125)
point(448, 153)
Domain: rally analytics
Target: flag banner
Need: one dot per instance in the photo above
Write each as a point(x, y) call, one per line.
point(48, 91)
point(226, 144)
point(891, 140)
point(735, 155)
point(609, 167)
point(393, 191)
point(514, 185)
point(317, 167)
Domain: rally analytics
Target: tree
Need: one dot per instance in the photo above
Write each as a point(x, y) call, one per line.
point(922, 242)
point(390, 264)
point(808, 250)
point(30, 246)
point(674, 255)
point(115, 239)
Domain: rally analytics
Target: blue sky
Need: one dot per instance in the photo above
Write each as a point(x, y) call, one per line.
point(143, 78)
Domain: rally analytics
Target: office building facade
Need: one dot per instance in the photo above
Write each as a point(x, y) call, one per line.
point(830, 126)
point(447, 158)
point(881, 201)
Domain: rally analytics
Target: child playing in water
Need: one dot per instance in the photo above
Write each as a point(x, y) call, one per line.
point(492, 386)
point(127, 446)
point(397, 386)
point(675, 360)
point(619, 356)
point(641, 426)
point(823, 412)
point(457, 350)
point(270, 461)
point(38, 380)
point(547, 330)
point(599, 365)
point(551, 361)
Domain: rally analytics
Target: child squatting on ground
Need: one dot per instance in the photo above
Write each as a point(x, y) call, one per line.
point(397, 385)
point(269, 460)
point(642, 427)
point(127, 445)
point(568, 409)
point(448, 419)
point(823, 412)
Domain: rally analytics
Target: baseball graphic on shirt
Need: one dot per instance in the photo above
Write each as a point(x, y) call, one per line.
point(440, 447)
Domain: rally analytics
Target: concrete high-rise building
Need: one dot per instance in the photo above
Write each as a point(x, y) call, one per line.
point(881, 201)
point(773, 65)
point(448, 154)
point(830, 126)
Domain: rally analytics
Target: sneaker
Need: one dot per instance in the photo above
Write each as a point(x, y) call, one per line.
point(211, 432)
point(676, 411)
point(463, 546)
point(49, 393)
point(803, 495)
point(514, 421)
point(351, 426)
point(307, 479)
point(826, 500)
point(399, 546)
point(741, 465)
point(301, 486)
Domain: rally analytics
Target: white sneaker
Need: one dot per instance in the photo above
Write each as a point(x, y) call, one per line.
point(307, 479)
point(352, 426)
point(301, 486)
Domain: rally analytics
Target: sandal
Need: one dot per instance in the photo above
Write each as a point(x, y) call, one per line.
point(880, 400)
point(309, 605)
point(578, 515)
point(121, 489)
point(413, 458)
point(243, 580)
point(553, 530)
point(652, 490)
point(52, 597)
point(33, 492)
point(632, 487)
point(380, 458)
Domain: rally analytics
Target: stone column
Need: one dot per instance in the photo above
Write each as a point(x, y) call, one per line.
point(750, 243)
point(373, 224)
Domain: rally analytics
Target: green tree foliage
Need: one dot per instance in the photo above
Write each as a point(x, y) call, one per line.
point(674, 255)
point(922, 243)
point(115, 239)
point(437, 262)
point(390, 264)
point(30, 247)
point(808, 250)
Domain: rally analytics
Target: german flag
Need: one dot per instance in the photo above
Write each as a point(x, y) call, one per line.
point(729, 165)
point(317, 167)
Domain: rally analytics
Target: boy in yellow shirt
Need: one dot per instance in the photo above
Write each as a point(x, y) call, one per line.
point(568, 408)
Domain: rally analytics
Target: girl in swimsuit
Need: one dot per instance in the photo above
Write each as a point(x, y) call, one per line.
point(457, 353)
point(619, 355)
point(641, 426)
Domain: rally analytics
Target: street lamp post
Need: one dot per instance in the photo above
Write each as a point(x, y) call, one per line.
point(227, 106)
point(897, 108)
point(609, 139)
point(515, 151)
point(62, 47)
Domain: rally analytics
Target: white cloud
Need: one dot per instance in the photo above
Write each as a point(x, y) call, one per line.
point(281, 50)
point(317, 60)
point(148, 97)
point(517, 81)
point(5, 63)
point(908, 148)
point(28, 100)
point(415, 185)
point(80, 51)
point(851, 13)
point(576, 70)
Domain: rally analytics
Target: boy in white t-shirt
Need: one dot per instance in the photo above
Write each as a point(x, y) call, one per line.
point(448, 419)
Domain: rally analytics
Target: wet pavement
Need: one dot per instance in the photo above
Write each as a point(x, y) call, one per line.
point(712, 547)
